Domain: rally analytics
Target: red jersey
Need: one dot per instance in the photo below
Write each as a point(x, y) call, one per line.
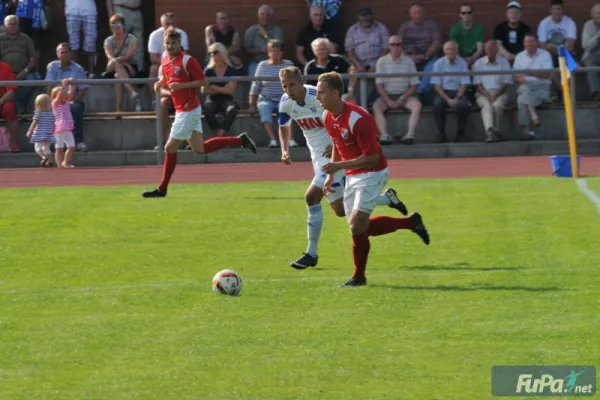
point(6, 74)
point(182, 69)
point(355, 133)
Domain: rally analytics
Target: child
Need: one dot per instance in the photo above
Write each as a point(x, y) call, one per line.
point(41, 131)
point(63, 127)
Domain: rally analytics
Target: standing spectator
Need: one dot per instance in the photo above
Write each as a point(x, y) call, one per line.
point(8, 109)
point(226, 34)
point(120, 50)
point(450, 91)
point(131, 10)
point(468, 34)
point(366, 41)
point(63, 122)
point(82, 14)
point(590, 41)
point(534, 88)
point(29, 13)
point(396, 93)
point(64, 68)
point(156, 48)
point(258, 35)
point(4, 8)
point(18, 51)
point(333, 18)
point(219, 96)
point(422, 40)
point(509, 34)
point(491, 90)
point(324, 61)
point(315, 29)
point(268, 93)
point(41, 130)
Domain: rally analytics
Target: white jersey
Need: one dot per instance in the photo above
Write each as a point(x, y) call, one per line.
point(309, 118)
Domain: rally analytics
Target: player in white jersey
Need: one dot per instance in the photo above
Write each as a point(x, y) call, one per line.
point(300, 103)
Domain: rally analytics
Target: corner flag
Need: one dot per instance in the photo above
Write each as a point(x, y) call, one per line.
point(567, 65)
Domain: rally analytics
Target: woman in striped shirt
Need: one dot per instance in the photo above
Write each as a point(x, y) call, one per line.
point(268, 93)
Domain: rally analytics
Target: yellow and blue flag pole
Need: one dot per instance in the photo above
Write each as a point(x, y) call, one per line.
point(567, 65)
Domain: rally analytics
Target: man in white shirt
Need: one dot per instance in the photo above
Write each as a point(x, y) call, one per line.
point(491, 90)
point(534, 88)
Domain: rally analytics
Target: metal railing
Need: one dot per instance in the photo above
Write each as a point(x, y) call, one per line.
point(363, 78)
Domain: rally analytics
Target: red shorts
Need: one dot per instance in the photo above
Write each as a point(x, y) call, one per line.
point(8, 111)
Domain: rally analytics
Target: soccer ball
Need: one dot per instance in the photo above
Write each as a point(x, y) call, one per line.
point(228, 282)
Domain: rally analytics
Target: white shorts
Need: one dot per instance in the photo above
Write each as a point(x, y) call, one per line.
point(185, 123)
point(64, 138)
point(320, 177)
point(362, 191)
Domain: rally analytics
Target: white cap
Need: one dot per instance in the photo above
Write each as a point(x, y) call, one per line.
point(514, 4)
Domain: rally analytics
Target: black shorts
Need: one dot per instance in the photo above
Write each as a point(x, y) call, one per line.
point(36, 35)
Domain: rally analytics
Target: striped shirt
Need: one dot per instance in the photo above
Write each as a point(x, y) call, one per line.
point(399, 85)
point(63, 117)
point(270, 90)
point(367, 45)
point(44, 131)
point(331, 7)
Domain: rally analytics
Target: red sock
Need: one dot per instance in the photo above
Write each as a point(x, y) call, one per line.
point(218, 143)
point(383, 225)
point(360, 253)
point(168, 169)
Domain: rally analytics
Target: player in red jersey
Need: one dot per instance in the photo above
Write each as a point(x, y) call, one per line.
point(357, 150)
point(182, 75)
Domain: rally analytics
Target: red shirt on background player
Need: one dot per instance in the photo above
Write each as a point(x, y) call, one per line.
point(357, 150)
point(177, 70)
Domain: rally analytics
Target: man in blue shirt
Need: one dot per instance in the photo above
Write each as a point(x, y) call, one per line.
point(64, 68)
point(450, 91)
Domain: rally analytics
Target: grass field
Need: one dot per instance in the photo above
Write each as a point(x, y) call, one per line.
point(106, 295)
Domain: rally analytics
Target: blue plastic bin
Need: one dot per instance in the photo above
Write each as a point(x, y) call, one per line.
point(561, 166)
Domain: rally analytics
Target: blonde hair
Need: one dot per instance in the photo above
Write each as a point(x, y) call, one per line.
point(42, 103)
point(55, 92)
point(222, 50)
point(290, 72)
point(333, 80)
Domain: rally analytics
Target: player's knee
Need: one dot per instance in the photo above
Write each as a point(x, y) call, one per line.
point(312, 198)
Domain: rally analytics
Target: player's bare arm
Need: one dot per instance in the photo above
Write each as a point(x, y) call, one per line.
point(364, 161)
point(285, 134)
point(189, 85)
point(328, 187)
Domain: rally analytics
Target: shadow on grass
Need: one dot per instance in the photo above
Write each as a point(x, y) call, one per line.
point(460, 267)
point(473, 287)
point(274, 198)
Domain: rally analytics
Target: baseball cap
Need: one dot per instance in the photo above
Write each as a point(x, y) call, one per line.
point(514, 4)
point(365, 11)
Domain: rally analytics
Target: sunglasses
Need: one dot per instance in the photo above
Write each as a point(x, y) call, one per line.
point(395, 44)
point(466, 12)
point(212, 53)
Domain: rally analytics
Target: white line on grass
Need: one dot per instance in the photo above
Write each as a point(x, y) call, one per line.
point(207, 283)
point(582, 185)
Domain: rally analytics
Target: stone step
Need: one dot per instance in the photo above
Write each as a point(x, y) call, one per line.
point(425, 151)
point(139, 132)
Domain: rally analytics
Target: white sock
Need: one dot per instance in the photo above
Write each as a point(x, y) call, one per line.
point(39, 149)
point(314, 225)
point(383, 200)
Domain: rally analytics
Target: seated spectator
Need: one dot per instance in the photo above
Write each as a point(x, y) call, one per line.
point(509, 34)
point(422, 41)
point(8, 109)
point(333, 17)
point(468, 34)
point(534, 88)
point(226, 34)
point(18, 51)
point(258, 36)
point(120, 51)
point(324, 61)
point(366, 41)
point(555, 30)
point(590, 41)
point(131, 10)
point(64, 68)
point(156, 48)
point(315, 29)
point(83, 15)
point(450, 91)
point(219, 96)
point(396, 93)
point(491, 90)
point(268, 93)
